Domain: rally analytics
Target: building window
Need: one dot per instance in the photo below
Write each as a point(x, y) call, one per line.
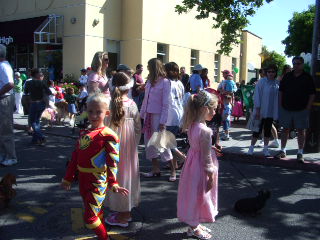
point(162, 52)
point(194, 59)
point(234, 65)
point(217, 68)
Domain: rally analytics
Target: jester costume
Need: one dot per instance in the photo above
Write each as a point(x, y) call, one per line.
point(95, 157)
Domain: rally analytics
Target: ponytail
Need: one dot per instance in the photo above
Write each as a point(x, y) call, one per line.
point(116, 107)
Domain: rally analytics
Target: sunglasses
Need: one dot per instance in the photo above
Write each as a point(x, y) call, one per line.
point(270, 71)
point(297, 63)
point(106, 59)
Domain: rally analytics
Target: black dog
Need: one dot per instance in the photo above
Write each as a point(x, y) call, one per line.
point(251, 206)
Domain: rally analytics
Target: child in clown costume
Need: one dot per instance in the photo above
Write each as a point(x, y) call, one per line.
point(95, 157)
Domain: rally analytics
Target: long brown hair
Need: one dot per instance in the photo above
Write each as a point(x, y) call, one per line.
point(195, 105)
point(172, 70)
point(97, 61)
point(116, 106)
point(156, 70)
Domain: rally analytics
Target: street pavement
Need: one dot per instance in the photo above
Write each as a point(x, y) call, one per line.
point(42, 210)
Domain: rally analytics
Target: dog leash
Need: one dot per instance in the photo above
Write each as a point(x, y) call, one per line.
point(244, 176)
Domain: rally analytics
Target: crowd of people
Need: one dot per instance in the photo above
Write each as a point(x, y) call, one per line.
point(121, 106)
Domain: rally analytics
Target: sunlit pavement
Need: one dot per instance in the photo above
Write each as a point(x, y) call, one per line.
point(42, 210)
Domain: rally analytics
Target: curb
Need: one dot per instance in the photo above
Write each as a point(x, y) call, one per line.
point(284, 163)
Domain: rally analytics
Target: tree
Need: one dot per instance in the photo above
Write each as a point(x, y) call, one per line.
point(272, 58)
point(229, 15)
point(300, 32)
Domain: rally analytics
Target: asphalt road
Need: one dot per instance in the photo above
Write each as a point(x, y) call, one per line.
point(42, 210)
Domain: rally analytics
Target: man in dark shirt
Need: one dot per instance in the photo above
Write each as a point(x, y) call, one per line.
point(185, 79)
point(296, 94)
point(38, 93)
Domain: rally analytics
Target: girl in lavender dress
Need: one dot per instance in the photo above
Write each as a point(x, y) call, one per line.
point(125, 121)
point(198, 186)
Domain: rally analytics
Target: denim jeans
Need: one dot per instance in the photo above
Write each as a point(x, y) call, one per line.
point(36, 110)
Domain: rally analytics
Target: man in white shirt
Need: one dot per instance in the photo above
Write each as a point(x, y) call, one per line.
point(7, 146)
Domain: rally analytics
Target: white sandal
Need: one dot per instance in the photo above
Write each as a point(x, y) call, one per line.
point(204, 228)
point(198, 233)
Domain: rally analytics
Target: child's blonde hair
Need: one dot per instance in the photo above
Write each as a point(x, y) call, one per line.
point(194, 107)
point(120, 83)
point(98, 98)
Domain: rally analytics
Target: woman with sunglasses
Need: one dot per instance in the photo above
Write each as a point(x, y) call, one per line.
point(97, 79)
point(265, 107)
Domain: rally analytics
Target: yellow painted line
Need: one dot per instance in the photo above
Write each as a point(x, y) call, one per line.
point(117, 236)
point(317, 73)
point(38, 210)
point(318, 89)
point(85, 238)
point(316, 104)
point(77, 220)
point(26, 217)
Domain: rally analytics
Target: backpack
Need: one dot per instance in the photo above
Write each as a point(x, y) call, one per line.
point(229, 86)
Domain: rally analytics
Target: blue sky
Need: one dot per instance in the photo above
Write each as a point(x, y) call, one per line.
point(271, 21)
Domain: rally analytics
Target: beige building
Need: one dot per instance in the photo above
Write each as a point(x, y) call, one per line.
point(65, 34)
point(250, 59)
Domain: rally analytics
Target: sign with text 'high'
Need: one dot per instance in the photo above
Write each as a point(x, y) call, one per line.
point(6, 40)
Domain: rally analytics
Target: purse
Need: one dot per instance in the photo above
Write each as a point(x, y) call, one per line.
point(253, 124)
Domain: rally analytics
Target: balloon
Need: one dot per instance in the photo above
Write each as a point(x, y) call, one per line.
point(23, 77)
point(236, 70)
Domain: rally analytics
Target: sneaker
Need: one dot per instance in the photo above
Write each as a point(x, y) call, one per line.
point(9, 162)
point(261, 143)
point(300, 158)
point(266, 152)
point(225, 138)
point(280, 154)
point(250, 151)
point(116, 213)
point(274, 144)
point(112, 220)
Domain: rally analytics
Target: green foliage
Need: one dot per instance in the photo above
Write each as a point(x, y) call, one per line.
point(300, 32)
point(71, 85)
point(231, 16)
point(272, 58)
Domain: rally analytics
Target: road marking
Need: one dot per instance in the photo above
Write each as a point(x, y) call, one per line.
point(117, 236)
point(26, 217)
point(77, 220)
point(38, 210)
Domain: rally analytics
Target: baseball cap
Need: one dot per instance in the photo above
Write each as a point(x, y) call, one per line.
point(227, 72)
point(198, 67)
point(123, 67)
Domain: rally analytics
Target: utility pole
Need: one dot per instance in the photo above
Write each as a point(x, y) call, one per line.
point(313, 134)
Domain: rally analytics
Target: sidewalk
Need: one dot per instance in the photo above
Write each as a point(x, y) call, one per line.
point(238, 145)
point(240, 140)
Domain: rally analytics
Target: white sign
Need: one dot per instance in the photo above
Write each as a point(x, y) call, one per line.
point(6, 40)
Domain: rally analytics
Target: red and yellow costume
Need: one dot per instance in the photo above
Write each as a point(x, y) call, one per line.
point(95, 157)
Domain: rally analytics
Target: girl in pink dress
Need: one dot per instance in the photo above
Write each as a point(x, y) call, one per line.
point(125, 121)
point(237, 108)
point(198, 186)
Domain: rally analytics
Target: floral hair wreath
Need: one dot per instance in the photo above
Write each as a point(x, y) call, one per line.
point(124, 87)
point(208, 97)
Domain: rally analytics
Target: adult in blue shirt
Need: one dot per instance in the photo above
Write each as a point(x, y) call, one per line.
point(196, 83)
